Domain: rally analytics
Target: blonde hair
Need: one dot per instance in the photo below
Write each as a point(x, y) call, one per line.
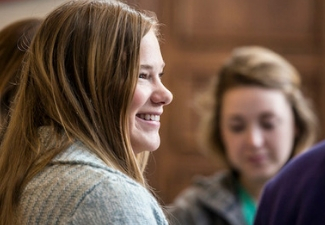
point(78, 81)
point(254, 66)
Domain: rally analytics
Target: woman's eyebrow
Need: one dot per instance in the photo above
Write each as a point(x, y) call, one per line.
point(145, 66)
point(149, 67)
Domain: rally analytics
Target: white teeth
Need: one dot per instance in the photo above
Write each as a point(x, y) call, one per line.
point(150, 117)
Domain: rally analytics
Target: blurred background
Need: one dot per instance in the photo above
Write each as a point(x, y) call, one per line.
point(197, 37)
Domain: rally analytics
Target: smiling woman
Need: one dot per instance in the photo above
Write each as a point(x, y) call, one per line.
point(255, 118)
point(149, 97)
point(84, 120)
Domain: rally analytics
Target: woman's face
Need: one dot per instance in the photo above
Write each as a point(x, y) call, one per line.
point(149, 98)
point(258, 130)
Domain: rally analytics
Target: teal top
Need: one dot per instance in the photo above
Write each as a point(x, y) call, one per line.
point(248, 206)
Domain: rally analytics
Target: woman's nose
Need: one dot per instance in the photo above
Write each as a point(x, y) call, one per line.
point(255, 137)
point(162, 95)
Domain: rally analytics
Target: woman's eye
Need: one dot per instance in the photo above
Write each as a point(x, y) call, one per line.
point(161, 75)
point(143, 75)
point(236, 128)
point(268, 125)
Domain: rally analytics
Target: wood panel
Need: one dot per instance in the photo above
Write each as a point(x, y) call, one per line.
point(211, 24)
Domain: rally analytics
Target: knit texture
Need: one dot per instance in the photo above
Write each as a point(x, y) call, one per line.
point(79, 188)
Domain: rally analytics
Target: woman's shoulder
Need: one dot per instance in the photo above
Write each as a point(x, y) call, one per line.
point(207, 190)
point(119, 200)
point(210, 197)
point(77, 181)
point(221, 180)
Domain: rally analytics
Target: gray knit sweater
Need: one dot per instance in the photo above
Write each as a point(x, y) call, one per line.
point(79, 188)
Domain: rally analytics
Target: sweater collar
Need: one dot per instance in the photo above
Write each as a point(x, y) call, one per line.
point(78, 153)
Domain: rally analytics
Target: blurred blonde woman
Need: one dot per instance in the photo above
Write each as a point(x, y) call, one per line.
point(85, 117)
point(255, 119)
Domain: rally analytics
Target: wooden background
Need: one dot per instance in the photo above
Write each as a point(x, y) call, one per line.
point(198, 37)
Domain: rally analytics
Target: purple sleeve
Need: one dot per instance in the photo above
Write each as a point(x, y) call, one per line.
point(296, 195)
